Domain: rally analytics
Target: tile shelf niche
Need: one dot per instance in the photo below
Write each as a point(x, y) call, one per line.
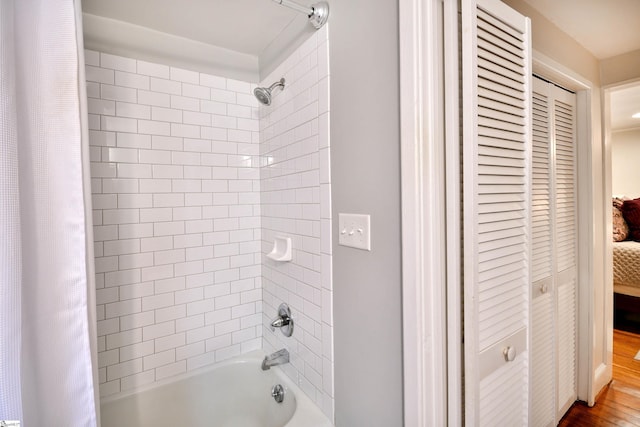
point(281, 249)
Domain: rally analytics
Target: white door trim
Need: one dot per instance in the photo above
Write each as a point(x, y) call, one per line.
point(453, 181)
point(423, 213)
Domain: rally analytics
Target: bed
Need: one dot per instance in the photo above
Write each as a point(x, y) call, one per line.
point(626, 260)
point(626, 268)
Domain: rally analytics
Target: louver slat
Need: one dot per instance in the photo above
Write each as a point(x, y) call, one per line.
point(484, 150)
point(497, 284)
point(490, 74)
point(493, 90)
point(488, 62)
point(497, 170)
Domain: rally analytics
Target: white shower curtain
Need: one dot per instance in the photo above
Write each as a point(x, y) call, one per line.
point(47, 305)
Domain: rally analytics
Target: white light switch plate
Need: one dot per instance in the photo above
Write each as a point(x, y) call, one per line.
point(354, 231)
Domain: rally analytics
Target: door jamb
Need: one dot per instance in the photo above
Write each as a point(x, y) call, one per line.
point(423, 213)
point(608, 194)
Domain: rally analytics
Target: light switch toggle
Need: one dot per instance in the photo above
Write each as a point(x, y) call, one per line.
point(355, 231)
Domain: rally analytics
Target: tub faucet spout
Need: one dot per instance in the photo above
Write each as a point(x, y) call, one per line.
point(277, 358)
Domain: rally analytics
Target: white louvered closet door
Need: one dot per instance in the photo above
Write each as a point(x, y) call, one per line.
point(496, 63)
point(553, 319)
point(543, 375)
point(565, 267)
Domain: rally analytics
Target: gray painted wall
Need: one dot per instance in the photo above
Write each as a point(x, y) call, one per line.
point(365, 172)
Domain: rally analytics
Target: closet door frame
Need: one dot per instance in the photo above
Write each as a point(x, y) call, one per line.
point(595, 295)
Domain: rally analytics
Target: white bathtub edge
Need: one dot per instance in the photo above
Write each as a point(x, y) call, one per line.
point(252, 356)
point(307, 413)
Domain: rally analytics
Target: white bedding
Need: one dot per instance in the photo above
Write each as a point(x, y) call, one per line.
point(626, 268)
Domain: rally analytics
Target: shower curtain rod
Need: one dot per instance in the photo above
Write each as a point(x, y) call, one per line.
point(318, 13)
point(295, 6)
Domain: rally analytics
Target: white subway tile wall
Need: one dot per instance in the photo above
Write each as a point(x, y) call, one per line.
point(176, 198)
point(296, 203)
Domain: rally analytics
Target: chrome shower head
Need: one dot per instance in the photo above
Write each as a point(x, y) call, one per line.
point(264, 94)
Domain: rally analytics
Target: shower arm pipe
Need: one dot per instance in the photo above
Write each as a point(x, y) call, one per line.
point(276, 84)
point(318, 13)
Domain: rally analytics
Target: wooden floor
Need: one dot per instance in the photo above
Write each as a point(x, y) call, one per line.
point(619, 403)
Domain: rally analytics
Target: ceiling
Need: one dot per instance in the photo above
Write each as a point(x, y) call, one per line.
point(624, 103)
point(606, 28)
point(246, 26)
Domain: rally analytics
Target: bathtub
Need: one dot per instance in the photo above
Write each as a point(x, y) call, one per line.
point(234, 393)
